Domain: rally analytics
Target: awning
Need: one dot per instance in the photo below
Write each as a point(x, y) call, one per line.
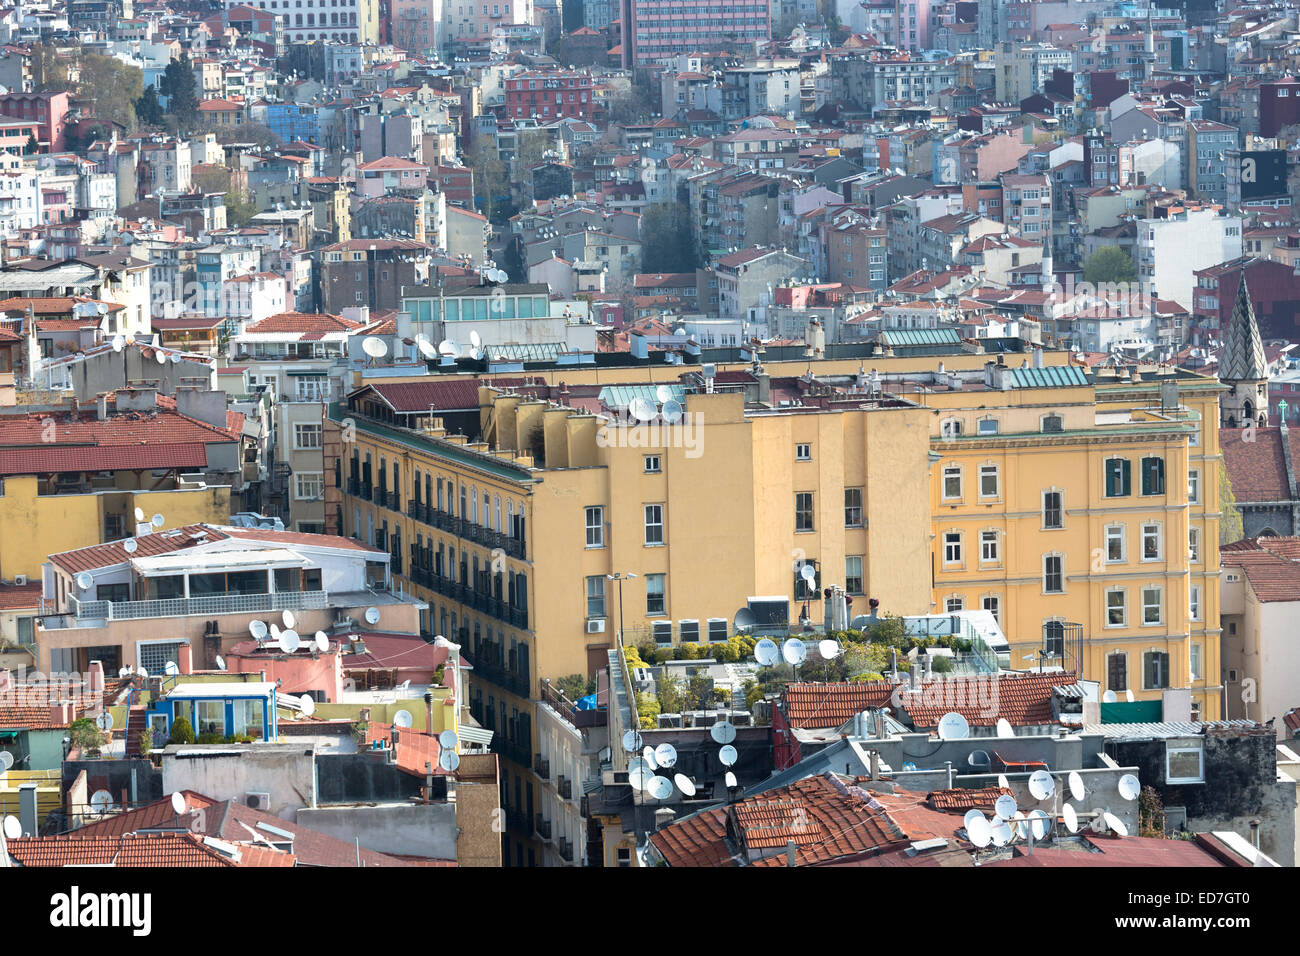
point(217, 561)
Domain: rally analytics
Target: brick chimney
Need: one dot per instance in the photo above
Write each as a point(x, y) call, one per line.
point(185, 659)
point(96, 677)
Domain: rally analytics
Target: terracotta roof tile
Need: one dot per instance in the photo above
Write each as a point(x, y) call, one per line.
point(1023, 699)
point(1271, 565)
point(1257, 468)
point(151, 850)
point(699, 840)
point(19, 596)
point(303, 322)
point(961, 799)
point(830, 705)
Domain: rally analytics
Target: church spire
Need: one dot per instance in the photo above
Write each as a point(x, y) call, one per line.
point(1243, 351)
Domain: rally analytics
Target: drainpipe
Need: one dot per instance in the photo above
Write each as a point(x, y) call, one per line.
point(1254, 833)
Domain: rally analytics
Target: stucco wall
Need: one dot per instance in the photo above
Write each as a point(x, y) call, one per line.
point(287, 773)
point(407, 829)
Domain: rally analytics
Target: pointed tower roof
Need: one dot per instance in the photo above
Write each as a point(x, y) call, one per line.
point(1243, 352)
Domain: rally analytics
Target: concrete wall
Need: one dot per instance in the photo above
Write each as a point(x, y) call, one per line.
point(427, 829)
point(287, 772)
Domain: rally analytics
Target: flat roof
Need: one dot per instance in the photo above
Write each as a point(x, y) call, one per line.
point(221, 689)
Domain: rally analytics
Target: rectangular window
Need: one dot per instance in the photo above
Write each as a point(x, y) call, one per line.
point(1153, 476)
point(308, 485)
point(595, 527)
point(1194, 662)
point(654, 524)
point(654, 594)
point(952, 482)
point(803, 452)
point(663, 632)
point(652, 464)
point(1194, 487)
point(988, 481)
point(1053, 577)
point(1117, 671)
point(1054, 639)
point(1184, 764)
point(952, 547)
point(1151, 542)
point(1116, 608)
point(306, 436)
point(1194, 602)
point(688, 631)
point(596, 595)
point(988, 426)
point(989, 546)
point(1194, 545)
point(1052, 513)
point(853, 507)
point(992, 605)
point(1115, 542)
point(1118, 478)
point(1151, 606)
point(853, 574)
point(803, 511)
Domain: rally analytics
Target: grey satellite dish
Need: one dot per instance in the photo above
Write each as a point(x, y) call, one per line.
point(744, 620)
point(1002, 781)
point(403, 719)
point(1039, 824)
point(730, 780)
point(631, 741)
point(257, 629)
point(640, 776)
point(1128, 695)
point(1115, 824)
point(139, 515)
point(449, 760)
point(828, 649)
point(427, 350)
point(766, 652)
point(157, 521)
point(642, 409)
point(1129, 788)
point(13, 828)
point(953, 726)
point(308, 705)
point(372, 615)
point(176, 358)
point(374, 347)
point(794, 652)
point(808, 572)
point(664, 393)
point(1004, 728)
point(970, 816)
point(728, 755)
point(1109, 697)
point(1041, 785)
point(979, 832)
point(723, 732)
point(672, 412)
point(661, 788)
point(322, 641)
point(685, 784)
point(288, 618)
point(85, 580)
point(1071, 818)
point(221, 663)
point(104, 721)
point(6, 760)
point(101, 801)
point(448, 740)
point(665, 755)
point(1077, 789)
point(178, 801)
point(170, 669)
point(1001, 833)
point(1005, 806)
point(119, 343)
point(648, 755)
point(129, 545)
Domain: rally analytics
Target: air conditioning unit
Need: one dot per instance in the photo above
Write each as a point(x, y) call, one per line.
point(596, 627)
point(258, 801)
point(20, 580)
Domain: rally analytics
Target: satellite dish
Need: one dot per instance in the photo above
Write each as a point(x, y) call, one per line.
point(1022, 825)
point(119, 343)
point(744, 619)
point(979, 832)
point(794, 652)
point(13, 828)
point(640, 777)
point(1128, 695)
point(730, 780)
point(139, 515)
point(176, 358)
point(642, 409)
point(257, 629)
point(129, 546)
point(828, 649)
point(102, 801)
point(448, 740)
point(672, 412)
point(178, 801)
point(275, 631)
point(661, 788)
point(161, 356)
point(307, 703)
point(1004, 728)
point(1115, 823)
point(1109, 697)
point(808, 572)
point(953, 726)
point(403, 719)
point(1077, 789)
point(288, 618)
point(631, 741)
point(685, 784)
point(427, 350)
point(970, 817)
point(1040, 824)
point(6, 760)
point(728, 755)
point(475, 339)
point(665, 755)
point(221, 663)
point(648, 755)
point(664, 393)
point(322, 641)
point(449, 760)
point(1041, 785)
point(170, 669)
point(374, 347)
point(157, 521)
point(1071, 818)
point(636, 765)
point(1129, 788)
point(1001, 833)
point(104, 721)
point(372, 615)
point(766, 652)
point(1002, 781)
point(723, 732)
point(85, 580)
point(1005, 806)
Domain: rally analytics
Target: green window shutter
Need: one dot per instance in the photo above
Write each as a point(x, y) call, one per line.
point(1126, 482)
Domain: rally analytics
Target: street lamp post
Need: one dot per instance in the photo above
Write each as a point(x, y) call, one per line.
point(620, 577)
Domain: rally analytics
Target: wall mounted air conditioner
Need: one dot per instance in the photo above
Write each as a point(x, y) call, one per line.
point(596, 627)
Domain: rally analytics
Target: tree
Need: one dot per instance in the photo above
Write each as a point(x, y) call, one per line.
point(490, 176)
point(1109, 265)
point(574, 686)
point(87, 737)
point(667, 239)
point(670, 694)
point(698, 691)
point(49, 70)
point(182, 732)
point(181, 89)
point(113, 87)
point(148, 109)
point(1230, 525)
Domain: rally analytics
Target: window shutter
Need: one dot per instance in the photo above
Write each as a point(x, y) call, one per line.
point(1126, 480)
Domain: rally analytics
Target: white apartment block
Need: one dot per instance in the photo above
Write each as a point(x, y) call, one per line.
point(1169, 251)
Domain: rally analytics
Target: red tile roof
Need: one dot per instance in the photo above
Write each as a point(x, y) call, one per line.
point(1118, 851)
point(158, 815)
point(14, 716)
point(395, 650)
point(450, 395)
point(1257, 468)
point(1292, 719)
point(152, 850)
point(830, 705)
point(19, 596)
point(961, 799)
point(699, 840)
point(1271, 565)
point(44, 460)
point(303, 322)
point(1023, 699)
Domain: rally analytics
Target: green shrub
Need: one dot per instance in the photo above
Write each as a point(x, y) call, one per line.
point(182, 732)
point(943, 665)
point(87, 737)
point(145, 740)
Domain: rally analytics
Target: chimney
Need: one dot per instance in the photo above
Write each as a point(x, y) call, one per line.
point(185, 659)
point(916, 675)
point(789, 853)
point(1038, 358)
point(929, 666)
point(1254, 833)
point(27, 808)
point(664, 816)
point(101, 407)
point(875, 764)
point(428, 703)
point(96, 677)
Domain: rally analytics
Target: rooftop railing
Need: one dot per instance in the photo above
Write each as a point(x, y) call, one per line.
point(212, 604)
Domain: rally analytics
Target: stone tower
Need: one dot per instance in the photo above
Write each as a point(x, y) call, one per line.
point(1242, 367)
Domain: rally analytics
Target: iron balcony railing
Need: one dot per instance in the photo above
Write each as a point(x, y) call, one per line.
point(566, 850)
point(206, 605)
point(543, 827)
point(542, 767)
point(565, 786)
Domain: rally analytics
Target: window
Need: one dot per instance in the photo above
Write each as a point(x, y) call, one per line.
point(663, 633)
point(1118, 478)
point(306, 436)
point(596, 527)
point(1053, 576)
point(688, 631)
point(803, 452)
point(1054, 639)
point(988, 481)
point(989, 546)
point(596, 595)
point(1052, 513)
point(803, 511)
point(1116, 607)
point(310, 388)
point(853, 507)
point(951, 428)
point(1151, 605)
point(1194, 662)
point(1115, 542)
point(654, 524)
point(1184, 764)
point(952, 547)
point(1153, 476)
point(952, 482)
point(1194, 487)
point(1151, 542)
point(1194, 545)
point(652, 464)
point(654, 594)
point(991, 604)
point(954, 604)
point(308, 485)
point(853, 574)
point(1194, 602)
point(1117, 671)
point(988, 426)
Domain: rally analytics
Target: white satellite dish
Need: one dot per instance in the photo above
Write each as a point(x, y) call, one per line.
point(308, 705)
point(1071, 818)
point(685, 784)
point(953, 726)
point(101, 801)
point(449, 760)
point(808, 572)
point(178, 801)
point(665, 755)
point(1129, 787)
point(104, 721)
point(119, 343)
point(475, 339)
point(631, 741)
point(1022, 825)
point(372, 615)
point(427, 350)
point(1000, 833)
point(1128, 695)
point(637, 765)
point(640, 776)
point(766, 652)
point(403, 719)
point(979, 832)
point(672, 412)
point(1005, 806)
point(257, 629)
point(85, 580)
point(322, 641)
point(13, 828)
point(170, 669)
point(1040, 824)
point(828, 649)
point(664, 393)
point(648, 755)
point(139, 515)
point(1004, 728)
point(794, 652)
point(288, 618)
point(160, 356)
point(176, 358)
point(275, 631)
point(221, 663)
point(723, 732)
point(1077, 789)
point(1109, 697)
point(661, 788)
point(1041, 785)
point(1115, 824)
point(642, 409)
point(730, 780)
point(129, 545)
point(157, 521)
point(448, 740)
point(6, 760)
point(728, 755)
point(970, 816)
point(374, 347)
point(1002, 781)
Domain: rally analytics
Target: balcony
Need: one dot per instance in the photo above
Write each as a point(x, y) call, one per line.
point(214, 604)
point(566, 850)
point(543, 827)
point(565, 786)
point(517, 820)
point(542, 767)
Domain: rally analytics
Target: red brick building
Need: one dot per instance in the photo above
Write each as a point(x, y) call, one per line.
point(49, 111)
point(551, 95)
point(1274, 291)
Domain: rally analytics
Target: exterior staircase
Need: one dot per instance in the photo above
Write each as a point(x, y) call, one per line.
point(136, 723)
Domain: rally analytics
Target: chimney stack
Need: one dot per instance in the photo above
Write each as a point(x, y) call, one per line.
point(96, 677)
point(428, 703)
point(185, 659)
point(101, 407)
point(27, 808)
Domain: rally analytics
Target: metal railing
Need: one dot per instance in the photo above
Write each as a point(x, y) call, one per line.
point(543, 827)
point(542, 767)
point(210, 604)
